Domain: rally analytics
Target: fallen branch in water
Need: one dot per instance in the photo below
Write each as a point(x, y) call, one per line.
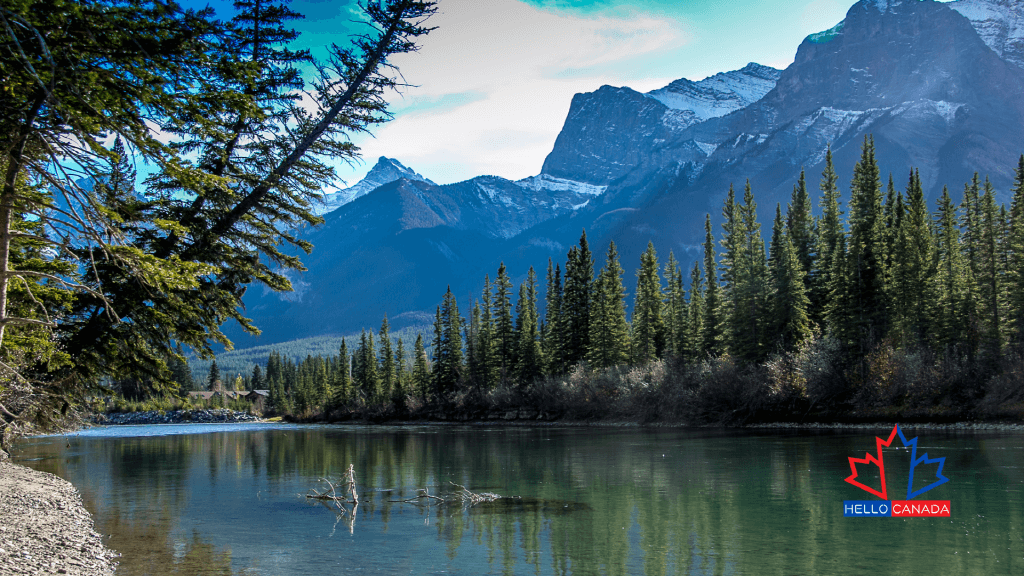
point(348, 493)
point(463, 495)
point(472, 497)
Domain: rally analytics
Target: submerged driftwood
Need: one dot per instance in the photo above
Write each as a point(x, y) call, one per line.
point(343, 492)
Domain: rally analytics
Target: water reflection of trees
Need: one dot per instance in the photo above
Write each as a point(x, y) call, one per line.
point(593, 502)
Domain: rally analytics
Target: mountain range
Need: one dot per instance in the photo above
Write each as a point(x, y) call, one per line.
point(937, 85)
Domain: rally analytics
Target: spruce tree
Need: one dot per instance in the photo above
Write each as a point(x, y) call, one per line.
point(343, 381)
point(472, 338)
point(951, 323)
point(256, 381)
point(529, 360)
point(830, 233)
point(864, 318)
point(801, 230)
point(387, 373)
point(401, 388)
point(675, 310)
point(911, 298)
point(450, 359)
point(712, 325)
point(890, 231)
point(747, 310)
point(1015, 270)
point(579, 278)
point(420, 369)
point(368, 380)
point(504, 328)
point(731, 240)
point(648, 326)
point(789, 323)
point(990, 273)
point(485, 348)
point(554, 325)
point(437, 347)
point(695, 321)
point(213, 382)
point(609, 332)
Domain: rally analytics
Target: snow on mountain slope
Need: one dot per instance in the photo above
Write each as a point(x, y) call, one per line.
point(718, 95)
point(554, 184)
point(386, 170)
point(1000, 23)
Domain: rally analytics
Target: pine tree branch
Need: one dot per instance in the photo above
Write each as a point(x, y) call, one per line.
point(382, 47)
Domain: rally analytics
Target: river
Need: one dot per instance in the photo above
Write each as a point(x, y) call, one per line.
point(228, 499)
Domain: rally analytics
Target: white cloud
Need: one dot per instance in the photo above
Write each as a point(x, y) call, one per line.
point(520, 67)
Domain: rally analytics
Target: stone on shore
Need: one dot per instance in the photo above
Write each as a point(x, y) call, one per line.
point(45, 528)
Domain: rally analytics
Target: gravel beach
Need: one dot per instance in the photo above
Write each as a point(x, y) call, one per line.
point(45, 528)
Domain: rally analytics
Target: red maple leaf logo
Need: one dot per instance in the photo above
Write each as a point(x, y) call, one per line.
point(872, 459)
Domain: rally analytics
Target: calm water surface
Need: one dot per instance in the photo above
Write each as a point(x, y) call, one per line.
point(226, 499)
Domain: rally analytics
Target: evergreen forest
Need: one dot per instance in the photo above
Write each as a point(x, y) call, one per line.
point(880, 306)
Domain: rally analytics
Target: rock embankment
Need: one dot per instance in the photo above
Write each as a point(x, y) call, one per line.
point(218, 415)
point(45, 528)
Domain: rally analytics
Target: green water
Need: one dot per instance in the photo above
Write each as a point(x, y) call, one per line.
point(226, 500)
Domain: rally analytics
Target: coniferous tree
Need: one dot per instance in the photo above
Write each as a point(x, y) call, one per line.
point(789, 323)
point(801, 230)
point(449, 359)
point(890, 232)
point(529, 360)
point(435, 365)
point(343, 380)
point(180, 372)
point(579, 279)
point(420, 368)
point(367, 378)
point(970, 224)
point(712, 323)
point(485, 347)
point(747, 310)
point(864, 317)
point(609, 332)
point(648, 337)
point(827, 286)
point(213, 382)
point(1015, 270)
point(731, 240)
point(695, 321)
point(256, 381)
point(675, 311)
point(472, 338)
point(553, 323)
point(321, 383)
point(951, 323)
point(401, 389)
point(990, 274)
point(910, 296)
point(388, 372)
point(504, 328)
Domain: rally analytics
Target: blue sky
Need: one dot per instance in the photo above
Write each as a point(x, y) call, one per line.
point(493, 83)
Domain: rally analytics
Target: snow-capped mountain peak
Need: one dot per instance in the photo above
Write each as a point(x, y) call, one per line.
point(718, 95)
point(385, 171)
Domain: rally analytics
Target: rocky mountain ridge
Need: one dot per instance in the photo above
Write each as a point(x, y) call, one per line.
point(923, 77)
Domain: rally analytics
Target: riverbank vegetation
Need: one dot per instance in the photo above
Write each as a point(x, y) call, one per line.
point(879, 307)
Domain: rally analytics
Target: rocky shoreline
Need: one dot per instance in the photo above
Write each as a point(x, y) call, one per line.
point(203, 416)
point(45, 528)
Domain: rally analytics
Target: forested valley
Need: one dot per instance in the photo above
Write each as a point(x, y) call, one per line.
point(880, 307)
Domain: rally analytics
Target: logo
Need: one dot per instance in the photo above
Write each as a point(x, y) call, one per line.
point(898, 508)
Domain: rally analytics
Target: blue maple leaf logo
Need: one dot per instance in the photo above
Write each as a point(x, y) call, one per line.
point(924, 459)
